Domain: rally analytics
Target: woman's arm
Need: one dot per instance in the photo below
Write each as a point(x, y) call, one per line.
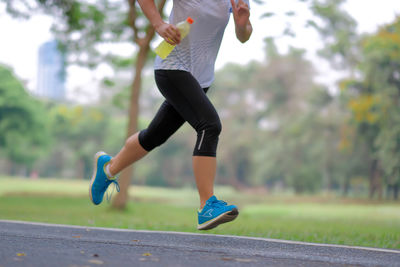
point(167, 31)
point(241, 15)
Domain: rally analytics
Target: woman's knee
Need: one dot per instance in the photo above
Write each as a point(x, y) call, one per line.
point(210, 128)
point(213, 129)
point(207, 139)
point(149, 139)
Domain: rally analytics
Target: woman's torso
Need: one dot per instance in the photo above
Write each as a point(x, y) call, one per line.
point(198, 51)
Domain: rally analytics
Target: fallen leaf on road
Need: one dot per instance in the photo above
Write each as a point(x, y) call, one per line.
point(135, 240)
point(244, 260)
point(21, 254)
point(146, 254)
point(96, 261)
point(236, 259)
point(76, 236)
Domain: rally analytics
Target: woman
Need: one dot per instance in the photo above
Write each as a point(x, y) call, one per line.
point(184, 78)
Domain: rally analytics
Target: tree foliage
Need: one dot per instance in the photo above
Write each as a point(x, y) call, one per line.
point(281, 129)
point(374, 100)
point(24, 133)
point(82, 27)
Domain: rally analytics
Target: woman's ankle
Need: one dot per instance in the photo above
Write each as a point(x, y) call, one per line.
point(109, 170)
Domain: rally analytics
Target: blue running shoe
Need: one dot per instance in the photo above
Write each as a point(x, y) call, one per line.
point(100, 181)
point(216, 212)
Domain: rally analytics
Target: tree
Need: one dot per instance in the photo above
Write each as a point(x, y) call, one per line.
point(288, 125)
point(281, 100)
point(278, 121)
point(24, 132)
point(78, 131)
point(338, 31)
point(374, 100)
point(334, 25)
point(80, 26)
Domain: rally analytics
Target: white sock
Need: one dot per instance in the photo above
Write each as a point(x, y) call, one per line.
point(108, 173)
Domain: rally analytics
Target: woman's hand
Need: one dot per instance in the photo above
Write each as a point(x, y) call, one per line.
point(241, 15)
point(169, 32)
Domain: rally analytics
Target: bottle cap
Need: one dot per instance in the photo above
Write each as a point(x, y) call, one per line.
point(189, 20)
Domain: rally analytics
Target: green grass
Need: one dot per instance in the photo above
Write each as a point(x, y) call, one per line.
point(321, 219)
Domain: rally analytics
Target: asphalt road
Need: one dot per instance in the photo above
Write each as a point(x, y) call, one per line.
point(34, 244)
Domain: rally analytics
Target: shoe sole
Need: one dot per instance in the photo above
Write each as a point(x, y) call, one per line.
point(223, 218)
point(96, 158)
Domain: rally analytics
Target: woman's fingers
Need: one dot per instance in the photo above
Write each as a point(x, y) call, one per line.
point(239, 7)
point(242, 4)
point(170, 33)
point(233, 6)
point(173, 34)
point(244, 9)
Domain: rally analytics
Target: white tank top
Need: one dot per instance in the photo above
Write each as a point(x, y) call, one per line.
point(198, 51)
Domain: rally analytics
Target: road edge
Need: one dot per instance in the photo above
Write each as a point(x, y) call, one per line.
point(201, 234)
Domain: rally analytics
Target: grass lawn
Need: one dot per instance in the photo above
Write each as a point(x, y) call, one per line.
point(311, 219)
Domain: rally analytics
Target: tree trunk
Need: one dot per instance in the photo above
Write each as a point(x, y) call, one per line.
point(375, 180)
point(372, 187)
point(233, 178)
point(125, 177)
point(9, 167)
point(80, 168)
point(346, 186)
point(144, 47)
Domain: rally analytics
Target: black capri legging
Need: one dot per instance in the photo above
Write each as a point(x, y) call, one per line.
point(185, 101)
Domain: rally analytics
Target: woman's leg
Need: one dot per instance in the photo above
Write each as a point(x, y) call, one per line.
point(185, 94)
point(164, 124)
point(130, 153)
point(204, 169)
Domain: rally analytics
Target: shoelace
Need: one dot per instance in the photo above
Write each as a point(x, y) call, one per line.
point(218, 203)
point(116, 186)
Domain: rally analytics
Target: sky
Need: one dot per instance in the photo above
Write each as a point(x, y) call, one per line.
point(21, 40)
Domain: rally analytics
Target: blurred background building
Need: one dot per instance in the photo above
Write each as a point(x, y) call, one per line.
point(51, 72)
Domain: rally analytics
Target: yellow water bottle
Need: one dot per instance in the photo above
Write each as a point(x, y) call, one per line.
point(164, 48)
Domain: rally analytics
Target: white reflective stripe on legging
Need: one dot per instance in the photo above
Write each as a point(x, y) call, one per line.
point(201, 140)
